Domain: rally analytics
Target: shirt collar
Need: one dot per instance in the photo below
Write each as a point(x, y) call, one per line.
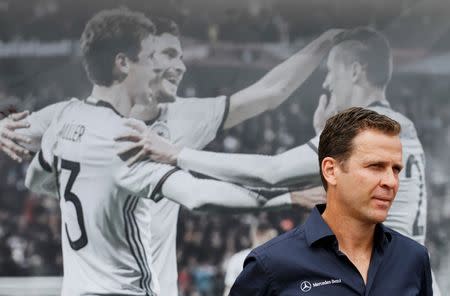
point(384, 104)
point(315, 227)
point(317, 230)
point(95, 102)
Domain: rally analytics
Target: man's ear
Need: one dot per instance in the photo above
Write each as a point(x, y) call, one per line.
point(329, 169)
point(121, 67)
point(357, 71)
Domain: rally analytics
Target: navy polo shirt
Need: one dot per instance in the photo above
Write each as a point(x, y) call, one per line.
point(307, 261)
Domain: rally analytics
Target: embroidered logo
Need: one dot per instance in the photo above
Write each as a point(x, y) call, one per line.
point(305, 286)
point(161, 129)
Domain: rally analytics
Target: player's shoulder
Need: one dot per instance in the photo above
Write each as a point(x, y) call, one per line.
point(408, 129)
point(194, 110)
point(99, 122)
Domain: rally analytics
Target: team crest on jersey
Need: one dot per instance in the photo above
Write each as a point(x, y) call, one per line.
point(161, 129)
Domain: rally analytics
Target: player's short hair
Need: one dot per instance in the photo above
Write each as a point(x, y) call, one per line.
point(165, 25)
point(336, 140)
point(109, 33)
point(371, 49)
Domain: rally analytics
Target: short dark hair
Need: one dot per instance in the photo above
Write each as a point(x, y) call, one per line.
point(109, 33)
point(165, 25)
point(370, 48)
point(336, 139)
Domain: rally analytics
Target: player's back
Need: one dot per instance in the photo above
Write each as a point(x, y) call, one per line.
point(105, 233)
point(409, 210)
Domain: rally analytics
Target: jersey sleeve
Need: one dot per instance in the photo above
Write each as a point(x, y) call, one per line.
point(40, 177)
point(39, 122)
point(296, 168)
point(203, 118)
point(144, 179)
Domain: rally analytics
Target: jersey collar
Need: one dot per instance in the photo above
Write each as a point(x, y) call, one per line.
point(99, 103)
point(384, 104)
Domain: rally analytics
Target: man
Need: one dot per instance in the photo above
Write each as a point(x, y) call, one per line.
point(190, 122)
point(259, 234)
point(343, 248)
point(105, 203)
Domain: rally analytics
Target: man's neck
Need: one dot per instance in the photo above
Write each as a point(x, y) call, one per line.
point(147, 112)
point(353, 236)
point(364, 96)
point(114, 95)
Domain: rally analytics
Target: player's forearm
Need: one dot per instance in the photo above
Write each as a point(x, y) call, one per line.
point(245, 169)
point(289, 75)
point(204, 194)
point(278, 84)
point(294, 168)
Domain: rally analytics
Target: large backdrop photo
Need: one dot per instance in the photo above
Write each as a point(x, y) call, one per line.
point(224, 47)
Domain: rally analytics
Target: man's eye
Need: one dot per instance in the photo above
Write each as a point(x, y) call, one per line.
point(376, 166)
point(397, 170)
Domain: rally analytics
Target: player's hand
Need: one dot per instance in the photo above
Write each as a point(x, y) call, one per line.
point(10, 140)
point(146, 145)
point(308, 198)
point(334, 35)
point(325, 109)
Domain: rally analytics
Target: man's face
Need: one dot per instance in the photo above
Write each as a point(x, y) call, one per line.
point(141, 73)
point(338, 80)
point(367, 182)
point(169, 67)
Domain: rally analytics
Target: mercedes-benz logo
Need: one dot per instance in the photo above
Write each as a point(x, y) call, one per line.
point(305, 286)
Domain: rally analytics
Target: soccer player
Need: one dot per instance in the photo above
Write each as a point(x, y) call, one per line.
point(192, 122)
point(104, 203)
point(359, 70)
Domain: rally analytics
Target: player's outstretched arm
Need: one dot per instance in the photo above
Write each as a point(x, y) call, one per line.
point(21, 133)
point(278, 84)
point(297, 167)
point(204, 194)
point(306, 198)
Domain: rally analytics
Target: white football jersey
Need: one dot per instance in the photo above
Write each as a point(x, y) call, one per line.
point(408, 214)
point(409, 210)
point(235, 266)
point(193, 123)
point(106, 238)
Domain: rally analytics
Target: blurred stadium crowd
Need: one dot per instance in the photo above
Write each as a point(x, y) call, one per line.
point(30, 241)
